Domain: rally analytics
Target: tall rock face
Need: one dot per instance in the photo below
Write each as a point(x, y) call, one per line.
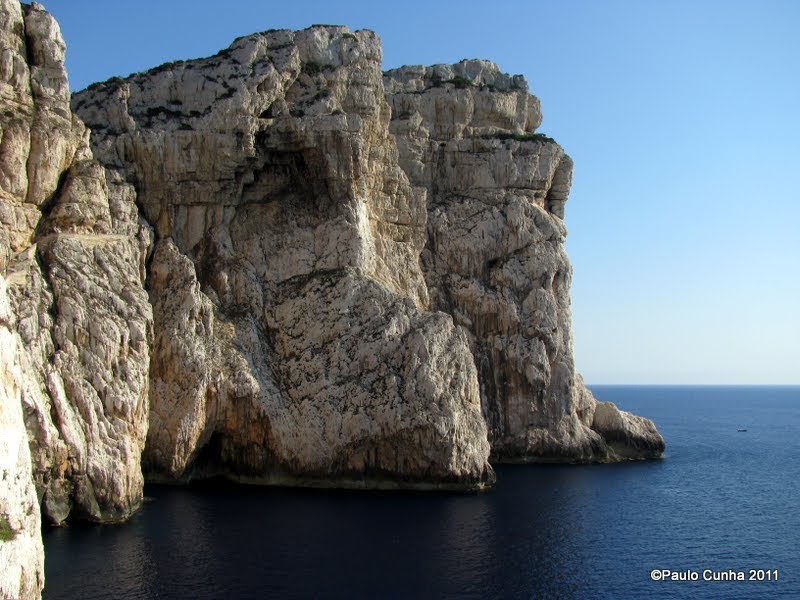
point(494, 258)
point(72, 253)
point(292, 338)
point(21, 550)
point(284, 267)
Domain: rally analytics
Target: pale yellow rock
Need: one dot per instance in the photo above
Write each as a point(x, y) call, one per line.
point(352, 279)
point(73, 251)
point(628, 435)
point(292, 338)
point(21, 550)
point(495, 256)
point(283, 118)
point(86, 323)
point(357, 389)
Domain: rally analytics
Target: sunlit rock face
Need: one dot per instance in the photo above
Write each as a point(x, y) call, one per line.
point(288, 160)
point(279, 265)
point(293, 341)
point(494, 258)
point(72, 251)
point(21, 550)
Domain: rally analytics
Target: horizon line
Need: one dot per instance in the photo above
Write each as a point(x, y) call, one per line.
point(699, 384)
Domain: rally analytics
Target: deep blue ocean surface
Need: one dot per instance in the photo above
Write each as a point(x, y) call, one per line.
point(719, 500)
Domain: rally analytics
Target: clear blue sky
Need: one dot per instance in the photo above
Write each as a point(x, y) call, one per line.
point(683, 118)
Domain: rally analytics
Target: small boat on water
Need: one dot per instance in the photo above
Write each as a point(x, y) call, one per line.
point(740, 430)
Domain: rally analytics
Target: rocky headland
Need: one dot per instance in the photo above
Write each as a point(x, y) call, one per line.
point(279, 265)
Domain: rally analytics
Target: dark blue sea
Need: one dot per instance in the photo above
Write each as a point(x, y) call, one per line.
point(721, 500)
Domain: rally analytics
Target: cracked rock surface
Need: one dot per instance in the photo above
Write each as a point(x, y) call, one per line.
point(293, 341)
point(21, 549)
point(289, 158)
point(72, 251)
point(495, 260)
point(278, 265)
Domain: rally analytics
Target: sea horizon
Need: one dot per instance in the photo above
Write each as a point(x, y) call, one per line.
point(590, 385)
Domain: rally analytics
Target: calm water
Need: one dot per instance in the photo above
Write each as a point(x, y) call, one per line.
point(719, 500)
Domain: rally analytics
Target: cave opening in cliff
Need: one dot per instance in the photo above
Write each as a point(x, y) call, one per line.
point(208, 463)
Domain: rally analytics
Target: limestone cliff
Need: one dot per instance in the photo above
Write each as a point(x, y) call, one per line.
point(21, 550)
point(284, 266)
point(494, 258)
point(72, 253)
point(268, 169)
point(292, 338)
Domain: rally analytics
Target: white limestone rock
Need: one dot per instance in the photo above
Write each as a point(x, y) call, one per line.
point(300, 246)
point(628, 435)
point(495, 256)
point(73, 252)
point(292, 340)
point(467, 99)
point(21, 549)
point(343, 384)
